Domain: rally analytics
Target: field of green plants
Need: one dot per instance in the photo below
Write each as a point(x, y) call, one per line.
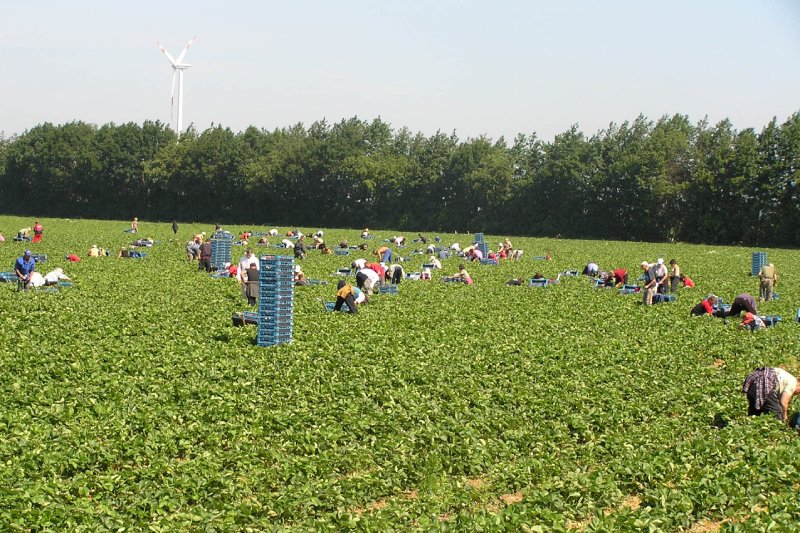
point(130, 402)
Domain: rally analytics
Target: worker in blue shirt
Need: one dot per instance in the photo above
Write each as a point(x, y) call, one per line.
point(24, 266)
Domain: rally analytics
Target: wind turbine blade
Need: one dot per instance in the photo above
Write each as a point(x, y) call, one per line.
point(172, 97)
point(169, 57)
point(183, 54)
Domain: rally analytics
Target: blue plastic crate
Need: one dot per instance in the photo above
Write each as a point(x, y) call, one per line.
point(448, 279)
point(569, 273)
point(478, 238)
point(540, 258)
point(340, 251)
point(388, 289)
point(770, 320)
point(539, 282)
point(759, 259)
point(664, 298)
point(492, 262)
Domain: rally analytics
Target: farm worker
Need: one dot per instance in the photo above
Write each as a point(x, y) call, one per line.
point(23, 268)
point(244, 262)
point(516, 255)
point(444, 254)
point(193, 247)
point(398, 240)
point(2, 239)
point(769, 390)
point(54, 276)
point(299, 277)
point(273, 232)
point(674, 275)
point(435, 262)
point(318, 242)
point(359, 263)
point(463, 275)
point(394, 274)
point(687, 281)
point(94, 251)
point(367, 278)
point(73, 258)
point(768, 278)
point(660, 275)
point(591, 269)
point(300, 248)
point(476, 254)
point(422, 238)
point(384, 254)
point(365, 233)
point(289, 245)
point(649, 288)
point(743, 302)
point(174, 226)
point(752, 322)
point(426, 274)
point(205, 256)
point(360, 296)
point(38, 230)
point(135, 225)
point(251, 284)
point(620, 276)
point(345, 294)
point(516, 282)
point(455, 247)
point(378, 268)
point(24, 233)
point(704, 307)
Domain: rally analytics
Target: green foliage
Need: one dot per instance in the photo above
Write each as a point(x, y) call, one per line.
point(129, 400)
point(667, 180)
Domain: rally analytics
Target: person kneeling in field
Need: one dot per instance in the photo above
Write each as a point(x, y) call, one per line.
point(704, 307)
point(769, 390)
point(751, 322)
point(463, 275)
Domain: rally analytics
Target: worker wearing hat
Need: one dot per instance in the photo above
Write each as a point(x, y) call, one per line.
point(768, 278)
point(23, 268)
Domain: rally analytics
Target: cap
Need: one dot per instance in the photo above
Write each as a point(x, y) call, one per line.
point(27, 252)
point(297, 268)
point(645, 263)
point(660, 261)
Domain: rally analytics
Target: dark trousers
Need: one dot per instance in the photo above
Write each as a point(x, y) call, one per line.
point(673, 283)
point(771, 405)
point(397, 277)
point(204, 264)
point(349, 300)
point(360, 279)
point(740, 305)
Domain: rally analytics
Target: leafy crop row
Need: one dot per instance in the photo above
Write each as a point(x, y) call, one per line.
point(130, 401)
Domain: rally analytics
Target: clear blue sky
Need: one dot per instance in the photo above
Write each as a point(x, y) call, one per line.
point(473, 67)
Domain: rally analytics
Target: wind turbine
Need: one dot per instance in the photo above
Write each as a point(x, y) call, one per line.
point(178, 66)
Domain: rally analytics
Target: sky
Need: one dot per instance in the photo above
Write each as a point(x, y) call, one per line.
point(475, 68)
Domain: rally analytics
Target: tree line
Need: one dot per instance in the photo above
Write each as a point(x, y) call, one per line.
point(644, 180)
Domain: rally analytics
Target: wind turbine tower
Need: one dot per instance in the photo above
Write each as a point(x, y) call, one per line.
point(178, 66)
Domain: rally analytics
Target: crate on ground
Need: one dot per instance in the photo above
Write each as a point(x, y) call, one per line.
point(316, 282)
point(8, 277)
point(664, 298)
point(540, 258)
point(770, 320)
point(538, 282)
point(39, 258)
point(630, 289)
point(569, 273)
point(341, 251)
point(487, 261)
point(414, 276)
point(448, 279)
point(246, 318)
point(343, 272)
point(388, 289)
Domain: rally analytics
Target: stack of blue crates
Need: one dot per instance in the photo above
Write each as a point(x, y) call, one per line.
point(759, 260)
point(275, 300)
point(221, 245)
point(481, 243)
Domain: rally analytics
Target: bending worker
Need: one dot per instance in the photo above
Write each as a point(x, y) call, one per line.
point(769, 390)
point(768, 278)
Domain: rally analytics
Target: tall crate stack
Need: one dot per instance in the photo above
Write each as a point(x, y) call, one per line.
point(275, 300)
point(479, 240)
point(759, 260)
point(221, 246)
